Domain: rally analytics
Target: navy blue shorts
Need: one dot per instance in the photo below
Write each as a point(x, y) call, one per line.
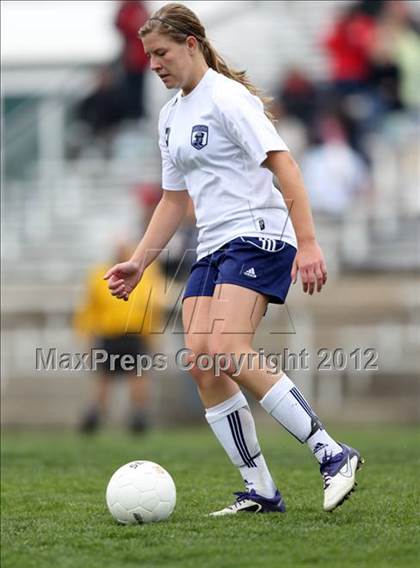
point(257, 263)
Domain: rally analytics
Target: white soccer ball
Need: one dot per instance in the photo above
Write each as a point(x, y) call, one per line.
point(140, 492)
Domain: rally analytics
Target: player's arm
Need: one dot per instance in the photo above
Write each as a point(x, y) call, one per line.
point(168, 215)
point(309, 259)
point(166, 219)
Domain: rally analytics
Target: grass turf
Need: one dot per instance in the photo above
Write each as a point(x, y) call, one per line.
point(53, 510)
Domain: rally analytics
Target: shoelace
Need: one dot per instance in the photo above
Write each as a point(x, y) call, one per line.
point(241, 496)
point(327, 479)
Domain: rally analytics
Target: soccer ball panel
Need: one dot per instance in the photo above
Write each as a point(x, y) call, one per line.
point(143, 480)
point(166, 489)
point(149, 501)
point(163, 510)
point(127, 495)
point(120, 514)
point(111, 494)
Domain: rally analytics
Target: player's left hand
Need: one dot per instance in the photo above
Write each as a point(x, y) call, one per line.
point(310, 263)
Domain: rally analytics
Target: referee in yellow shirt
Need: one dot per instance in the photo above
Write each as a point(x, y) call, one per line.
point(119, 328)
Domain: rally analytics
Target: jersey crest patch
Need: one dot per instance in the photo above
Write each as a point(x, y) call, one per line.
point(199, 136)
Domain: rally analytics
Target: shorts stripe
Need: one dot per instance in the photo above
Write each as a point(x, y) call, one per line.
point(267, 244)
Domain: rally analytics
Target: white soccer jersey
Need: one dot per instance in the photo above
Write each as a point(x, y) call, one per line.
point(213, 142)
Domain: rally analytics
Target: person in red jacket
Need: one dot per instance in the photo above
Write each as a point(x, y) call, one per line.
point(349, 44)
point(130, 17)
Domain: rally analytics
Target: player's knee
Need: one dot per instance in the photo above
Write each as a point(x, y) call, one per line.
point(220, 345)
point(195, 371)
point(226, 351)
point(206, 382)
point(203, 379)
point(192, 362)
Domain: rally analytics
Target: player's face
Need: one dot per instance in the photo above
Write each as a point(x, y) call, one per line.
point(170, 60)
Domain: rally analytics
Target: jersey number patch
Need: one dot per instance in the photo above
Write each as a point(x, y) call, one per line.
point(199, 136)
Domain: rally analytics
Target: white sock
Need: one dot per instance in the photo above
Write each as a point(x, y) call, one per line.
point(286, 404)
point(234, 427)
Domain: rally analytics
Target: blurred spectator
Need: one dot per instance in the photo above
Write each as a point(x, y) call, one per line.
point(131, 15)
point(290, 128)
point(297, 96)
point(348, 44)
point(120, 328)
point(334, 173)
point(148, 196)
point(396, 57)
point(407, 55)
point(101, 110)
point(408, 58)
point(372, 48)
point(386, 74)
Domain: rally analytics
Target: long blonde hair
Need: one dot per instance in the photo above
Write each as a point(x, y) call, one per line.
point(178, 22)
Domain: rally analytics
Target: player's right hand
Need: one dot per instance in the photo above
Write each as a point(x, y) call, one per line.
point(123, 278)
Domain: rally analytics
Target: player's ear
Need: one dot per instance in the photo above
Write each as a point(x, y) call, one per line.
point(191, 42)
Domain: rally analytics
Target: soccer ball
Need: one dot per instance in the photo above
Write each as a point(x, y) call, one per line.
point(140, 492)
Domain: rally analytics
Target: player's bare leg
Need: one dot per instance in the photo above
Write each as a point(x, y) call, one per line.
point(195, 315)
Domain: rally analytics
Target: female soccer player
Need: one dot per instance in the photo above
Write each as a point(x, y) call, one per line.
point(219, 146)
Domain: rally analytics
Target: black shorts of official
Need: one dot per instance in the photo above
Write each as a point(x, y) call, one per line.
point(128, 344)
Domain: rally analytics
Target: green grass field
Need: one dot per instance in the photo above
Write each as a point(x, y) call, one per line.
point(54, 514)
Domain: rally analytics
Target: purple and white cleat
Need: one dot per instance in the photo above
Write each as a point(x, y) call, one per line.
point(251, 502)
point(339, 473)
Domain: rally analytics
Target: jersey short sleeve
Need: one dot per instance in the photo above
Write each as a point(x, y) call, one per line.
point(242, 116)
point(172, 179)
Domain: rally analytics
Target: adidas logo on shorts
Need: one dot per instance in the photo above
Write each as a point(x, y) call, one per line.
point(250, 273)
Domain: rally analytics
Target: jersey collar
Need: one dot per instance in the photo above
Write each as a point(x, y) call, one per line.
point(204, 80)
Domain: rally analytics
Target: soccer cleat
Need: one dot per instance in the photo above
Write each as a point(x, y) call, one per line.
point(251, 502)
point(339, 474)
